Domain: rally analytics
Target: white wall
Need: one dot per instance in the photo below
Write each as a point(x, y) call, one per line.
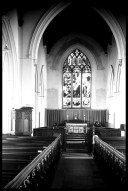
point(54, 73)
point(41, 96)
point(23, 86)
point(100, 85)
point(116, 102)
point(27, 64)
point(10, 91)
point(13, 18)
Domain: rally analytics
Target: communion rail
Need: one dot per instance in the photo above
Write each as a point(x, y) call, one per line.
point(114, 159)
point(34, 173)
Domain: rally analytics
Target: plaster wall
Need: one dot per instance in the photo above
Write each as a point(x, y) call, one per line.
point(115, 102)
point(122, 22)
point(54, 91)
point(42, 97)
point(27, 82)
point(30, 21)
point(53, 86)
point(100, 87)
point(9, 69)
point(27, 64)
point(13, 18)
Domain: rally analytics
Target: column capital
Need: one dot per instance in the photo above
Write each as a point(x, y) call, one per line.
point(120, 61)
point(35, 61)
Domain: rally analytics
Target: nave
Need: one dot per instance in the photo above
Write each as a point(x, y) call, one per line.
point(54, 167)
point(64, 96)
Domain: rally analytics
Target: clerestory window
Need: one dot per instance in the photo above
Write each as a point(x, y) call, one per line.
point(76, 81)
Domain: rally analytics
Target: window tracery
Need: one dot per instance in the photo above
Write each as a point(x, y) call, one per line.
point(76, 81)
point(118, 77)
point(111, 81)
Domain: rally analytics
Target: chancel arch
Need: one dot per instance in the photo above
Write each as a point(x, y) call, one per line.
point(116, 30)
point(50, 15)
point(41, 27)
point(47, 52)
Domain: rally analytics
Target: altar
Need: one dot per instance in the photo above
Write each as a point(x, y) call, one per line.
point(76, 132)
point(76, 128)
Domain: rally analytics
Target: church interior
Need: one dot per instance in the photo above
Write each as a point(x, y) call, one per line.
point(64, 96)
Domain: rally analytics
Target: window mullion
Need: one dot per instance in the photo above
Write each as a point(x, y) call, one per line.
point(71, 88)
point(82, 66)
point(81, 89)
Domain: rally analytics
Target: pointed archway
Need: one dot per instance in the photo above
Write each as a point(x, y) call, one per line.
point(53, 12)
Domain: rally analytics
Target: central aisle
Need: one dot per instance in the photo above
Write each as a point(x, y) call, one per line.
point(76, 170)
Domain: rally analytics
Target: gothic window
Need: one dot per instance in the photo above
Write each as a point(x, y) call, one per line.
point(76, 81)
point(36, 79)
point(111, 81)
point(118, 78)
point(41, 82)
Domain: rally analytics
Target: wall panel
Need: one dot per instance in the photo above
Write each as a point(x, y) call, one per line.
point(60, 115)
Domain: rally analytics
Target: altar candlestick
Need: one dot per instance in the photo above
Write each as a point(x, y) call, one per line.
point(75, 117)
point(84, 118)
point(67, 117)
point(39, 119)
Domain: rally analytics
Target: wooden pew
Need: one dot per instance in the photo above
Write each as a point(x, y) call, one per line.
point(17, 152)
point(114, 140)
point(29, 138)
point(11, 167)
point(51, 132)
point(34, 173)
point(112, 158)
point(25, 143)
point(19, 155)
point(109, 132)
point(102, 132)
point(119, 143)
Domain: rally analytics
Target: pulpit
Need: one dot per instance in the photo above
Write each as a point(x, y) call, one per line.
point(23, 121)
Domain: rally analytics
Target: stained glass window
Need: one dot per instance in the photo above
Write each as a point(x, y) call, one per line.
point(76, 81)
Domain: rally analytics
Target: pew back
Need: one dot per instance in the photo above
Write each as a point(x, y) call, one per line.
point(17, 152)
point(115, 160)
point(35, 171)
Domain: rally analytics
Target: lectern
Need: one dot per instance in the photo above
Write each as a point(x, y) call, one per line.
point(23, 121)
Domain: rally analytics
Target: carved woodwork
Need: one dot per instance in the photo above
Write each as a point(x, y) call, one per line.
point(23, 123)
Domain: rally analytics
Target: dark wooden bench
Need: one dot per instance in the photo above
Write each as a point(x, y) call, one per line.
point(11, 167)
point(31, 139)
point(119, 143)
point(23, 143)
point(35, 172)
point(51, 132)
point(110, 151)
point(19, 155)
point(103, 133)
point(109, 132)
point(17, 152)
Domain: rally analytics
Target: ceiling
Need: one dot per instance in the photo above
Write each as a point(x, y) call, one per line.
point(78, 17)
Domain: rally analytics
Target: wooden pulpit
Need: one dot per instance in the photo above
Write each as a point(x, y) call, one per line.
point(23, 121)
